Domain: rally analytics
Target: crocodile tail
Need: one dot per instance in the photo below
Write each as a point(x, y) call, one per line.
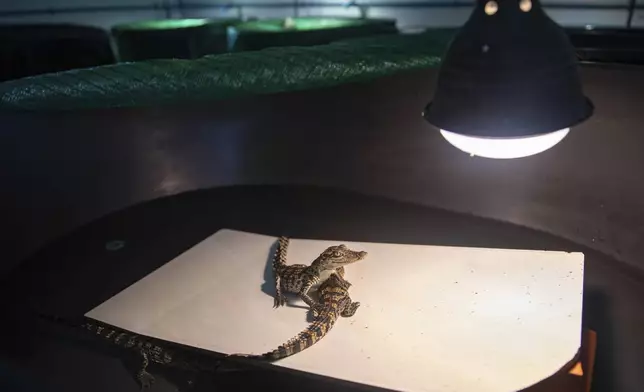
point(279, 259)
point(305, 339)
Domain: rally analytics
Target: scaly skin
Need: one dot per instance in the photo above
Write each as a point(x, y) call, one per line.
point(300, 278)
point(335, 302)
point(148, 350)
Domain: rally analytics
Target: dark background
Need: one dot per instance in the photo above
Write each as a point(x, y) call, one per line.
point(365, 142)
point(355, 162)
point(66, 169)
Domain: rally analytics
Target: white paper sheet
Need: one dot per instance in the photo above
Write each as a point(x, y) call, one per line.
point(432, 318)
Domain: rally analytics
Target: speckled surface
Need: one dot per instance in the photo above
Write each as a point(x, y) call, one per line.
point(77, 273)
point(513, 315)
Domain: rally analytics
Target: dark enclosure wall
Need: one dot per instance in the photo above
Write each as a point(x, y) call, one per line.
point(67, 169)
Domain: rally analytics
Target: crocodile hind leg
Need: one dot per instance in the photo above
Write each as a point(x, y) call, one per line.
point(144, 378)
point(280, 299)
point(350, 310)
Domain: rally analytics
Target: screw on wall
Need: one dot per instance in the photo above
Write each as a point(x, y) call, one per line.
point(114, 245)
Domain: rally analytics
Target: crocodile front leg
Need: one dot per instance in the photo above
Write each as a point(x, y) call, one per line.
point(340, 272)
point(304, 295)
point(144, 378)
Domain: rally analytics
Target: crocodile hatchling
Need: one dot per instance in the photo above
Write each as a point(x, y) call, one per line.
point(300, 278)
point(146, 350)
point(335, 302)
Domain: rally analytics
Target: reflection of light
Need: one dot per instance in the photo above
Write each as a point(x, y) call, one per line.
point(231, 34)
point(289, 23)
point(590, 27)
point(502, 148)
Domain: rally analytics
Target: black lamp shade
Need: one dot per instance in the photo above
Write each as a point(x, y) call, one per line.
point(510, 74)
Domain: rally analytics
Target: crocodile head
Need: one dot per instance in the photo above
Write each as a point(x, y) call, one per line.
point(337, 256)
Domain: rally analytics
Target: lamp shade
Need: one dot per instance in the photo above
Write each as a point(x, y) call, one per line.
point(510, 73)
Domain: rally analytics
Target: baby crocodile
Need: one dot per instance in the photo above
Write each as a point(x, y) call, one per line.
point(334, 302)
point(145, 349)
point(300, 278)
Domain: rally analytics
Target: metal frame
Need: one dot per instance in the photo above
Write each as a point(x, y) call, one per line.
point(296, 4)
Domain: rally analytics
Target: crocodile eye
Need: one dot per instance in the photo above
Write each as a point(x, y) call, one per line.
point(337, 254)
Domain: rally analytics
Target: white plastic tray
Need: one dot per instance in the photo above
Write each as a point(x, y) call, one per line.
point(432, 318)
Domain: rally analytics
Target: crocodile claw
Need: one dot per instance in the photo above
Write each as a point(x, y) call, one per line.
point(280, 300)
point(145, 380)
point(351, 310)
point(316, 310)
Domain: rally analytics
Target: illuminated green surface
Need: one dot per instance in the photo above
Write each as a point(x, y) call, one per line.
point(300, 24)
point(166, 24)
point(274, 70)
point(171, 38)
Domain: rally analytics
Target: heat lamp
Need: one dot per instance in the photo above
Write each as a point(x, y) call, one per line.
point(508, 86)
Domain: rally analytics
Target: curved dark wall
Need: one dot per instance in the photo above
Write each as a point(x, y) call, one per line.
point(63, 170)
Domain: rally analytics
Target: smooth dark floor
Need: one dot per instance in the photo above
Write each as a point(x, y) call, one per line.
point(76, 273)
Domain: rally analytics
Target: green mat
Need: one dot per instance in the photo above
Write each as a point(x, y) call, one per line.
point(261, 34)
point(171, 38)
point(162, 82)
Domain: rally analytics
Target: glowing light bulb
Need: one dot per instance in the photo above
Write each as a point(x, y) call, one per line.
point(504, 148)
